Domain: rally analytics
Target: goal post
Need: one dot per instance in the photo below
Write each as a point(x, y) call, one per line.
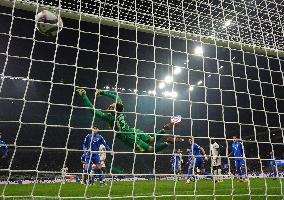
point(228, 92)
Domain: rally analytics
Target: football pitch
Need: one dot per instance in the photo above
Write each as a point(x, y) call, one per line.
point(165, 189)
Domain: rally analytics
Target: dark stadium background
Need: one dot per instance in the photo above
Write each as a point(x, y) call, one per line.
point(197, 107)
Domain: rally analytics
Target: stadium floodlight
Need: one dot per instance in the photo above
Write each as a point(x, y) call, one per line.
point(174, 94)
point(162, 85)
point(168, 79)
point(191, 88)
point(228, 23)
point(198, 51)
point(152, 92)
point(177, 70)
point(107, 87)
point(199, 82)
point(170, 94)
point(166, 93)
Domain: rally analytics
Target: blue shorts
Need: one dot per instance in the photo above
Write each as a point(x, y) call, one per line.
point(239, 163)
point(92, 159)
point(198, 163)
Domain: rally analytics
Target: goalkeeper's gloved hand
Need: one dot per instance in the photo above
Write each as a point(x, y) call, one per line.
point(81, 91)
point(99, 92)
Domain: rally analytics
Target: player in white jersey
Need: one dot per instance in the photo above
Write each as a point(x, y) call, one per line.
point(102, 154)
point(216, 161)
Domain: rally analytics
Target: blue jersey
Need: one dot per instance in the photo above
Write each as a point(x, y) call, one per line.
point(176, 159)
point(3, 149)
point(272, 161)
point(195, 151)
point(93, 142)
point(238, 150)
point(83, 157)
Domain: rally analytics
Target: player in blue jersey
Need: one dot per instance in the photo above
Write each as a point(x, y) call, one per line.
point(273, 165)
point(92, 144)
point(3, 149)
point(87, 168)
point(176, 161)
point(197, 156)
point(239, 154)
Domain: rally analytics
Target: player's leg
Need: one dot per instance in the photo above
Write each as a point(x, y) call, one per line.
point(83, 175)
point(161, 132)
point(219, 169)
point(190, 177)
point(243, 170)
point(87, 166)
point(200, 164)
point(98, 168)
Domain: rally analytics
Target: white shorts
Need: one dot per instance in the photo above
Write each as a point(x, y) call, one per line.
point(216, 162)
point(103, 164)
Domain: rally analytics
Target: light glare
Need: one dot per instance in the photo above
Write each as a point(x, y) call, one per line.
point(198, 51)
point(168, 79)
point(228, 23)
point(162, 85)
point(177, 70)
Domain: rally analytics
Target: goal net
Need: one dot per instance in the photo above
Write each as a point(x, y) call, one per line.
point(218, 64)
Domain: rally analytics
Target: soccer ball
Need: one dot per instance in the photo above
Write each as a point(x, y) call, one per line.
point(48, 23)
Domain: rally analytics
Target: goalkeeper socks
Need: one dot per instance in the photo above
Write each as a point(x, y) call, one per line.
point(161, 146)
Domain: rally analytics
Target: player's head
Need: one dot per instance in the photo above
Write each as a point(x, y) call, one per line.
point(115, 107)
point(178, 150)
point(235, 139)
point(95, 130)
point(190, 139)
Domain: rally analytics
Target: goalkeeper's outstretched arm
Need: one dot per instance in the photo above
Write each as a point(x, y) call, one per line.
point(91, 108)
point(112, 95)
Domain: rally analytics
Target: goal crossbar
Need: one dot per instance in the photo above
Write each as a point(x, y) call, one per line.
point(32, 6)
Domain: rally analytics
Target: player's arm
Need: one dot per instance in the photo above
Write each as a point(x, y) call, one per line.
point(90, 106)
point(112, 95)
point(202, 151)
point(105, 144)
point(86, 143)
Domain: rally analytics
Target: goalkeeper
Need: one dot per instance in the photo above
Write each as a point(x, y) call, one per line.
point(129, 136)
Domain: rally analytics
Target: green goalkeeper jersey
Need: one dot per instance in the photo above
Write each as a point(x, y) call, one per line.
point(118, 123)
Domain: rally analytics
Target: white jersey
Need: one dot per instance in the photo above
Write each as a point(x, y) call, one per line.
point(102, 154)
point(215, 154)
point(64, 171)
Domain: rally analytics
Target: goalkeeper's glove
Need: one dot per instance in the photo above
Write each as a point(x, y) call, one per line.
point(81, 91)
point(99, 93)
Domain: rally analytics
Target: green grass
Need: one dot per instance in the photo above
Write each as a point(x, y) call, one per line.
point(256, 189)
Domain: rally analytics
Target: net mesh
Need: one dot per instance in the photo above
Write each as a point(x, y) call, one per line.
point(164, 58)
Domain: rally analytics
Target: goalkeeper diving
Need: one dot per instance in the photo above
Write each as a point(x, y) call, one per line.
point(132, 137)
